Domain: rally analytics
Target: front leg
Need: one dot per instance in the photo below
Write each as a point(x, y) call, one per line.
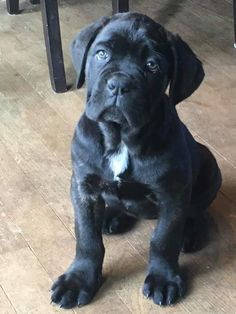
point(80, 282)
point(163, 283)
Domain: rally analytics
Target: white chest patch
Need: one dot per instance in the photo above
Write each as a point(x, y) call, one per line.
point(119, 161)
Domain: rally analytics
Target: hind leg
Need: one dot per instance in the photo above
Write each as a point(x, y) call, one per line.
point(195, 234)
point(204, 192)
point(195, 231)
point(116, 220)
point(122, 217)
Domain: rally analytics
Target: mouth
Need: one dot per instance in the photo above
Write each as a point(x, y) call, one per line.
point(127, 111)
point(113, 114)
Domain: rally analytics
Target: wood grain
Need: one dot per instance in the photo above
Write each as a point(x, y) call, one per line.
point(36, 126)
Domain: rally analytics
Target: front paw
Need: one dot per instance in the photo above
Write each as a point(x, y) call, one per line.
point(73, 289)
point(162, 290)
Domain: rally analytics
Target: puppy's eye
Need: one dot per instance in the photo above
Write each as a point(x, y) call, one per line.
point(101, 55)
point(152, 66)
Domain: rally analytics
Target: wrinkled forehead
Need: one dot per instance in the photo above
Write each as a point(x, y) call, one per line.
point(130, 31)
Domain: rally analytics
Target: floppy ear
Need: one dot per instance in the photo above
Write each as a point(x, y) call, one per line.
point(80, 47)
point(187, 73)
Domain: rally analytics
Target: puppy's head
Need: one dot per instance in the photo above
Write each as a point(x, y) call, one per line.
point(128, 61)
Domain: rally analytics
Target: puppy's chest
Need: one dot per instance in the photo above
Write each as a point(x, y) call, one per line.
point(119, 161)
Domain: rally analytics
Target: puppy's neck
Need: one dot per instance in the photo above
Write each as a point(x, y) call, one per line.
point(111, 136)
point(140, 140)
point(152, 136)
point(116, 152)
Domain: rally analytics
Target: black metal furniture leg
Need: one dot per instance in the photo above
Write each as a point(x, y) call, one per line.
point(34, 1)
point(234, 13)
point(119, 6)
point(52, 35)
point(12, 6)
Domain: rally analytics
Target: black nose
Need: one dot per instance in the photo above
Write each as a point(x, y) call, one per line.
point(118, 85)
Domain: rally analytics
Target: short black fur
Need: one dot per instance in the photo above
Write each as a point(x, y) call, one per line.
point(129, 61)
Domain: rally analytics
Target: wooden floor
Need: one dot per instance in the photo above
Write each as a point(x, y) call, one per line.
point(36, 126)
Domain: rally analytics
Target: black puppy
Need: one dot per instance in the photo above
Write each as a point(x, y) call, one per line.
point(132, 156)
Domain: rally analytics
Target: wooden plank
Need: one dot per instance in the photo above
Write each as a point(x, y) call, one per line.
point(10, 234)
point(33, 221)
point(5, 304)
point(228, 172)
point(197, 112)
point(25, 282)
point(46, 172)
point(58, 143)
